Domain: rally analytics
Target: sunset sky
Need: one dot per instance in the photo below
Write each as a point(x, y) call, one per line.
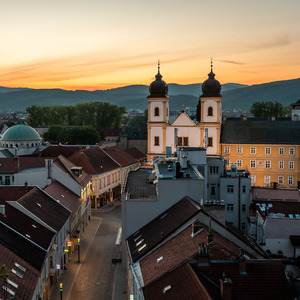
point(96, 44)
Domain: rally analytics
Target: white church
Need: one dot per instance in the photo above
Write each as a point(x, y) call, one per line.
point(164, 136)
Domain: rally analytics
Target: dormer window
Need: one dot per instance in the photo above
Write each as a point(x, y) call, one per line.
point(210, 111)
point(77, 171)
point(156, 112)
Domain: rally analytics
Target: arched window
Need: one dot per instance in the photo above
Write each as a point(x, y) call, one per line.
point(156, 111)
point(210, 111)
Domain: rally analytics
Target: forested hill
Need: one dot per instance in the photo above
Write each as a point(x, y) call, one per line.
point(235, 96)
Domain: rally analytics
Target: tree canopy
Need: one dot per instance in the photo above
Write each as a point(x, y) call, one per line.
point(270, 109)
point(95, 114)
point(73, 135)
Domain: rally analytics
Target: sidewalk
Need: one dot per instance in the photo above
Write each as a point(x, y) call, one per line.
point(73, 267)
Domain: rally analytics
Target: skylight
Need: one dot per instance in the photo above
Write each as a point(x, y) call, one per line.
point(20, 267)
point(166, 288)
point(138, 243)
point(17, 273)
point(160, 259)
point(8, 290)
point(34, 226)
point(12, 283)
point(141, 248)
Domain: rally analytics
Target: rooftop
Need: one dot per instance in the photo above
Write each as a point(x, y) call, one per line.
point(139, 187)
point(150, 235)
point(260, 132)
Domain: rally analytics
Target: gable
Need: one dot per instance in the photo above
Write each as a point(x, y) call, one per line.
point(183, 120)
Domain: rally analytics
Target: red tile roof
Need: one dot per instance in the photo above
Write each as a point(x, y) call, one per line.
point(94, 161)
point(264, 194)
point(135, 153)
point(26, 226)
point(161, 227)
point(13, 193)
point(264, 279)
point(181, 248)
point(120, 156)
point(181, 283)
point(27, 284)
point(66, 165)
point(45, 208)
point(66, 197)
point(56, 150)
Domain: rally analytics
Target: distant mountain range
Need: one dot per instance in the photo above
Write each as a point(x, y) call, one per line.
point(235, 96)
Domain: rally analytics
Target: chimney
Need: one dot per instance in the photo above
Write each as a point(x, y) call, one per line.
point(226, 287)
point(2, 209)
point(209, 235)
point(203, 256)
point(26, 186)
point(242, 262)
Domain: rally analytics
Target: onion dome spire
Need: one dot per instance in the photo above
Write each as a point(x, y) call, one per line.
point(211, 87)
point(158, 88)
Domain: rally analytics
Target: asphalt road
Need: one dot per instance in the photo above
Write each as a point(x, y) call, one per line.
point(93, 277)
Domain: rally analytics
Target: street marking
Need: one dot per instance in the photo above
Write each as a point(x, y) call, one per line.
point(119, 235)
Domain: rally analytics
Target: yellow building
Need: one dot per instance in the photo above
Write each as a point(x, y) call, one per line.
point(270, 150)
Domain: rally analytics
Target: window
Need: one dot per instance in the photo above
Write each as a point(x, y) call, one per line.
point(280, 179)
point(230, 189)
point(7, 180)
point(253, 150)
point(243, 207)
point(292, 151)
point(281, 164)
point(183, 141)
point(239, 163)
point(281, 151)
point(210, 142)
point(213, 170)
point(291, 165)
point(210, 111)
point(252, 164)
point(156, 141)
point(267, 150)
point(291, 180)
point(244, 189)
point(243, 226)
point(212, 190)
point(239, 150)
point(1, 180)
point(267, 179)
point(267, 164)
point(156, 111)
point(226, 150)
point(230, 207)
point(253, 179)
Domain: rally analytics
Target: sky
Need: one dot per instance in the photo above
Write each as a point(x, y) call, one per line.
point(96, 44)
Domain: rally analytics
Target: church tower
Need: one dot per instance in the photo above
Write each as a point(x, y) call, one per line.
point(209, 114)
point(158, 116)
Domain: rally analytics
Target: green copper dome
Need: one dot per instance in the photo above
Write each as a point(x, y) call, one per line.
point(20, 133)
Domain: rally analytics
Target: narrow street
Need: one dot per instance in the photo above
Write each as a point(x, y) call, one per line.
point(93, 277)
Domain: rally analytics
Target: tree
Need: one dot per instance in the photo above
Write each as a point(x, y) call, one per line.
point(3, 274)
point(72, 135)
point(269, 109)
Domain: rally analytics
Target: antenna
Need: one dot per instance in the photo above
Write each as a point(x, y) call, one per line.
point(158, 66)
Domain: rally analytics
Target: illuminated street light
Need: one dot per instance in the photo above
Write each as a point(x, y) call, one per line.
point(60, 290)
point(78, 243)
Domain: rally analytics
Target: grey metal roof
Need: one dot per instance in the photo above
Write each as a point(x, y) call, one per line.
point(260, 132)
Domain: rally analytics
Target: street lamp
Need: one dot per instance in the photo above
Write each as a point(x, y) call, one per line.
point(78, 243)
point(60, 290)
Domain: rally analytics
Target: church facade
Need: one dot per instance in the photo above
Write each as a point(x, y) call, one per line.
point(269, 150)
point(165, 136)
